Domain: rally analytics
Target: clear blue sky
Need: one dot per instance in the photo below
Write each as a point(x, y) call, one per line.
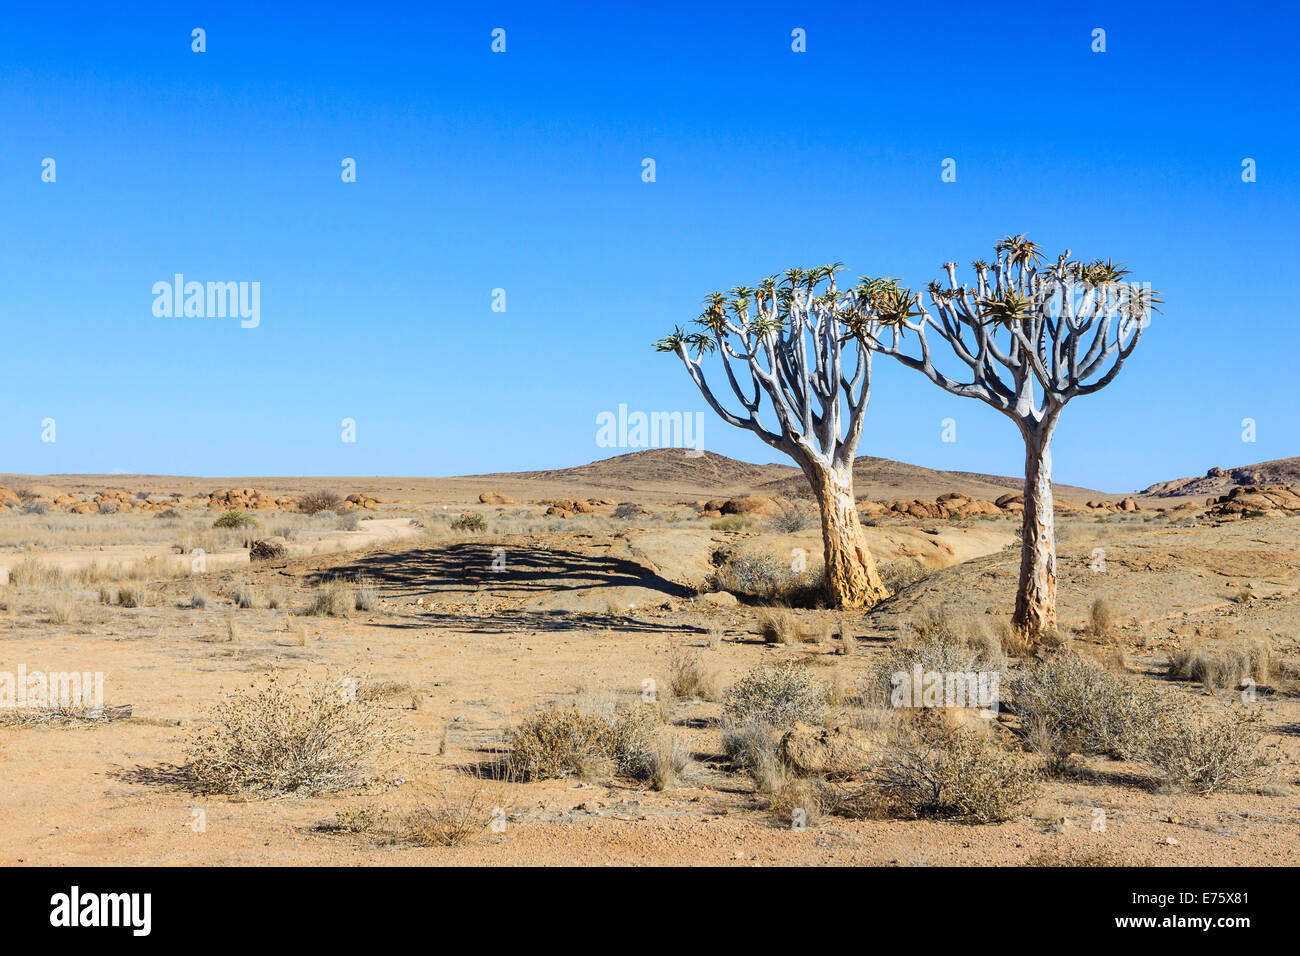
point(522, 171)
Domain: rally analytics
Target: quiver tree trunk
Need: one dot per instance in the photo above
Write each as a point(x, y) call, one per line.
point(1036, 596)
point(852, 579)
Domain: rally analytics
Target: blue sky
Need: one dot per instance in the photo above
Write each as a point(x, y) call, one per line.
point(522, 171)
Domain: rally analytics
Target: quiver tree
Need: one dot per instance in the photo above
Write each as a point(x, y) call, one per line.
point(788, 341)
point(1030, 338)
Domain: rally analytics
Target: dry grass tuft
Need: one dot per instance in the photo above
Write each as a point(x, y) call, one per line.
point(1222, 667)
point(689, 677)
point(367, 598)
point(451, 820)
point(331, 599)
point(29, 573)
point(132, 595)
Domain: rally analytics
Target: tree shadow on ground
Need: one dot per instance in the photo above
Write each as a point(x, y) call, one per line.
point(511, 571)
point(521, 622)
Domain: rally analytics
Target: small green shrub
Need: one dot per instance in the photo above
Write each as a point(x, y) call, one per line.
point(469, 521)
point(235, 519)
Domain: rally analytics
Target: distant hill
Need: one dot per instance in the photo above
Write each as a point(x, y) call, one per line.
point(662, 466)
point(663, 469)
point(1219, 481)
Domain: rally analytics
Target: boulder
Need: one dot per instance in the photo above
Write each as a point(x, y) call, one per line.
point(835, 753)
point(493, 498)
point(750, 505)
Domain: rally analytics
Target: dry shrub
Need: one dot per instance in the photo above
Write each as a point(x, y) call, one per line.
point(793, 516)
point(317, 501)
point(1210, 752)
point(806, 800)
point(244, 597)
point(763, 575)
point(450, 820)
point(945, 772)
point(689, 677)
point(750, 747)
point(777, 695)
point(732, 523)
point(937, 644)
point(357, 820)
point(566, 742)
point(560, 742)
point(469, 521)
point(1070, 705)
point(669, 763)
point(277, 738)
point(899, 575)
point(1223, 667)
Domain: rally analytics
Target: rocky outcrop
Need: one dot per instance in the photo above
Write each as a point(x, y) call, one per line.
point(1251, 501)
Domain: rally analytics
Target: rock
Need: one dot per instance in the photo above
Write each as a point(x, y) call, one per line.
point(750, 505)
point(1006, 500)
point(835, 753)
point(493, 498)
point(1128, 504)
point(718, 599)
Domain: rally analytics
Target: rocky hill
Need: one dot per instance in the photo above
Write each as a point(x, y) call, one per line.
point(1219, 481)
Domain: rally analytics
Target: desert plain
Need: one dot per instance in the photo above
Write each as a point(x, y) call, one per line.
point(594, 589)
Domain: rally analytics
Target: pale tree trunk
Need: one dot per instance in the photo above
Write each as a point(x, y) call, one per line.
point(852, 579)
point(1036, 596)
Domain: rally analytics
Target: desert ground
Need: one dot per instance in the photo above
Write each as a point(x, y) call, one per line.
point(594, 588)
